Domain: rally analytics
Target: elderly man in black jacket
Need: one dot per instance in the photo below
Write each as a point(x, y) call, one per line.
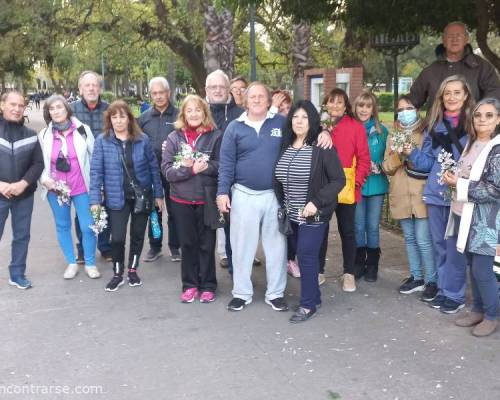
point(157, 122)
point(455, 57)
point(21, 164)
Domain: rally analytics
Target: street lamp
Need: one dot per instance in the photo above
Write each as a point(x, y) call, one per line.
point(395, 45)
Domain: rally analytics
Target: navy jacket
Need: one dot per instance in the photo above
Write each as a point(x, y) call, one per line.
point(106, 170)
point(20, 155)
point(223, 114)
point(93, 118)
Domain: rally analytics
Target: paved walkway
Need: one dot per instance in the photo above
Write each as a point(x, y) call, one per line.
point(142, 343)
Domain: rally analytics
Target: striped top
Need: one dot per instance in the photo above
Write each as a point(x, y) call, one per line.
point(292, 171)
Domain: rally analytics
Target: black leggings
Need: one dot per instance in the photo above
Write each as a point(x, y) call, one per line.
point(345, 223)
point(119, 220)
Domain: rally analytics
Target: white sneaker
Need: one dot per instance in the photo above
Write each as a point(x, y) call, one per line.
point(349, 284)
point(321, 279)
point(92, 271)
point(71, 271)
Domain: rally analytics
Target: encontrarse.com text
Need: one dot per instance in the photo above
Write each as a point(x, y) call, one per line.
point(50, 389)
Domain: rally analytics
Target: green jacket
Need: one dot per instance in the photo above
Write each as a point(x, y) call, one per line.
point(376, 184)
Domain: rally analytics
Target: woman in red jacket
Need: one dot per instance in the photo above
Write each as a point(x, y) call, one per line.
point(349, 139)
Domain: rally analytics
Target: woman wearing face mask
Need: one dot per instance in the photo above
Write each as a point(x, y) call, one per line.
point(308, 180)
point(349, 139)
point(477, 202)
point(369, 208)
point(124, 164)
point(406, 204)
point(445, 130)
point(67, 147)
point(189, 184)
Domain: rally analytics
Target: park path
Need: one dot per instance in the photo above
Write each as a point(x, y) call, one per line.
point(142, 343)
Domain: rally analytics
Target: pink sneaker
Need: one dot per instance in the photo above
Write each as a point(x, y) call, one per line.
point(207, 297)
point(293, 269)
point(189, 295)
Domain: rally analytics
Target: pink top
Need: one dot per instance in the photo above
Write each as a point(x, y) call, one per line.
point(74, 177)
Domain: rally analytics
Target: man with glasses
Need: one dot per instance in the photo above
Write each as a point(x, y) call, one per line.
point(157, 122)
point(455, 57)
point(21, 164)
point(237, 87)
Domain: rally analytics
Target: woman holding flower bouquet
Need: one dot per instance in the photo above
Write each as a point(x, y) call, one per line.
point(405, 200)
point(447, 127)
point(369, 207)
point(477, 183)
point(125, 165)
point(191, 164)
point(67, 147)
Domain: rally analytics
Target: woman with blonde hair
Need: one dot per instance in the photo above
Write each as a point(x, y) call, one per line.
point(369, 208)
point(125, 166)
point(447, 128)
point(191, 166)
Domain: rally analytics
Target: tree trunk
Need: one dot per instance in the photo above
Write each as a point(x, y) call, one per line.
point(300, 56)
point(351, 55)
point(389, 68)
point(483, 22)
point(219, 43)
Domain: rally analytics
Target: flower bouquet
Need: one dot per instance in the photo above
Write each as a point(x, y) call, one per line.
point(448, 164)
point(63, 193)
point(400, 138)
point(187, 153)
point(327, 121)
point(100, 217)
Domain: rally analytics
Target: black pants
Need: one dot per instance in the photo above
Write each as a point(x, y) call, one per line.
point(173, 237)
point(198, 248)
point(345, 223)
point(119, 220)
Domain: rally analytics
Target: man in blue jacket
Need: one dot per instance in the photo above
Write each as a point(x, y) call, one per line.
point(90, 110)
point(21, 164)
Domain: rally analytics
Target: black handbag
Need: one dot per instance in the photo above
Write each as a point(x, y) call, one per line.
point(284, 225)
point(143, 197)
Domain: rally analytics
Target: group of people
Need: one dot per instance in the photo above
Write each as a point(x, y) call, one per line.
point(247, 164)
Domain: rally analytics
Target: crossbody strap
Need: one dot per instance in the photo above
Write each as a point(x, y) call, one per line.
point(131, 180)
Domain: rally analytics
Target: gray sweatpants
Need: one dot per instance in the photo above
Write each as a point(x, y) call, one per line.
point(254, 213)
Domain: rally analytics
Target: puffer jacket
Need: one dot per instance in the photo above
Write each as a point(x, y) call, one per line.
point(93, 118)
point(405, 193)
point(426, 160)
point(224, 113)
point(106, 170)
point(480, 75)
point(20, 156)
point(184, 185)
point(375, 184)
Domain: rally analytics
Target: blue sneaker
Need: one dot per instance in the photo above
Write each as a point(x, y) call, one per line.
point(20, 282)
point(451, 306)
point(437, 302)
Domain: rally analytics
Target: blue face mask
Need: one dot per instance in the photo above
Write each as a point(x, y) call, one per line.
point(407, 117)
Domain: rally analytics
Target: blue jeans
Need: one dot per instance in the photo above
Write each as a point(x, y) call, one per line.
point(484, 285)
point(367, 221)
point(419, 248)
point(20, 212)
point(307, 240)
point(62, 217)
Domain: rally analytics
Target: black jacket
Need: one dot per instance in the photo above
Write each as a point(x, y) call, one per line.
point(223, 114)
point(480, 75)
point(326, 180)
point(158, 125)
point(20, 155)
point(93, 118)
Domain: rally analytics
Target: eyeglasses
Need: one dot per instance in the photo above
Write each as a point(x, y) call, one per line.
point(456, 36)
point(405, 109)
point(217, 87)
point(488, 115)
point(237, 89)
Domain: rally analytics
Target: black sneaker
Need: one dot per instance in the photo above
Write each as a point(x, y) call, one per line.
point(438, 301)
point(411, 285)
point(278, 304)
point(152, 255)
point(301, 315)
point(237, 304)
point(430, 292)
point(450, 306)
point(175, 255)
point(115, 282)
point(133, 278)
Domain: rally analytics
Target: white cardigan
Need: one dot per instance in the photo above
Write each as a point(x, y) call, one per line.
point(463, 195)
point(83, 147)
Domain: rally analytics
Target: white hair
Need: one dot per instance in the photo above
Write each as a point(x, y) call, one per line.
point(457, 23)
point(88, 72)
point(161, 80)
point(217, 72)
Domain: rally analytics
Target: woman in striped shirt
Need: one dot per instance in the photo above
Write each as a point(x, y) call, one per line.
point(308, 180)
